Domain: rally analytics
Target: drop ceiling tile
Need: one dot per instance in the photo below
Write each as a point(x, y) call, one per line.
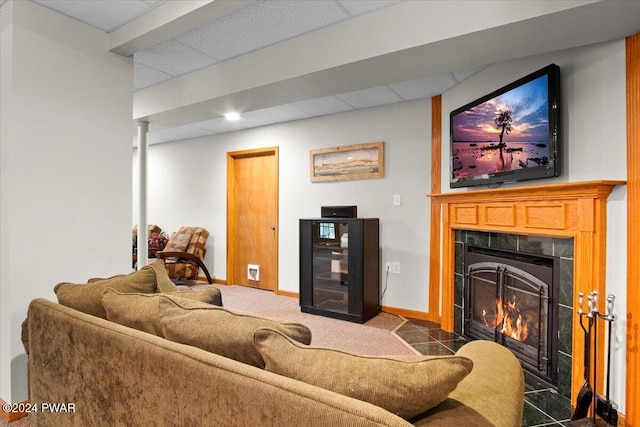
point(210, 124)
point(256, 118)
point(177, 133)
point(358, 7)
point(152, 138)
point(372, 97)
point(322, 106)
point(144, 76)
point(281, 113)
point(173, 57)
point(461, 75)
point(260, 24)
point(423, 87)
point(220, 125)
point(106, 15)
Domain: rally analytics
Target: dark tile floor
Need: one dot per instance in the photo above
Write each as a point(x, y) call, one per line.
point(542, 407)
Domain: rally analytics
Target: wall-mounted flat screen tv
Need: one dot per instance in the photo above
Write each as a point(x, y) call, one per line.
point(511, 134)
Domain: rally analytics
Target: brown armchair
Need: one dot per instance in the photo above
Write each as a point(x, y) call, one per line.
point(184, 254)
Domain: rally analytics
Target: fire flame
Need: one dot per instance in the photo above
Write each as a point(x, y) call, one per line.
point(508, 319)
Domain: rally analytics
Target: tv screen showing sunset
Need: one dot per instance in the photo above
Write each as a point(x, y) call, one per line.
point(505, 133)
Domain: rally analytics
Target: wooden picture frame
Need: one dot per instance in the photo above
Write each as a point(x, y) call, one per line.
point(360, 161)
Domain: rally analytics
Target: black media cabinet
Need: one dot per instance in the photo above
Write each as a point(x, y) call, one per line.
point(340, 267)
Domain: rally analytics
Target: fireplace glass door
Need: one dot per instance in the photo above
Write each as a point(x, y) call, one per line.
point(508, 299)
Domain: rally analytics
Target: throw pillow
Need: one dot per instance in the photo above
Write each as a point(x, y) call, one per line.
point(162, 278)
point(163, 281)
point(177, 243)
point(209, 295)
point(88, 297)
point(140, 311)
point(404, 385)
point(99, 279)
point(221, 331)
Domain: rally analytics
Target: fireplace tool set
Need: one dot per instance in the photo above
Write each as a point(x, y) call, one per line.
point(588, 397)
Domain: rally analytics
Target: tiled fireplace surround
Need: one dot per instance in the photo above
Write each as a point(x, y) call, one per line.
point(553, 246)
point(565, 220)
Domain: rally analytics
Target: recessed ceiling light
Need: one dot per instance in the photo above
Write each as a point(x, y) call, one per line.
point(232, 116)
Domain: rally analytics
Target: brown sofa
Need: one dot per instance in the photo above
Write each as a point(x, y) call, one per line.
point(109, 374)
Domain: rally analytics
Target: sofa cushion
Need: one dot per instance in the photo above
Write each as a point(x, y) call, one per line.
point(100, 279)
point(140, 311)
point(88, 297)
point(404, 385)
point(218, 330)
point(24, 335)
point(163, 281)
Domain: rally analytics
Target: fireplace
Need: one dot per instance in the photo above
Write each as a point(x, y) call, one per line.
point(573, 212)
point(511, 298)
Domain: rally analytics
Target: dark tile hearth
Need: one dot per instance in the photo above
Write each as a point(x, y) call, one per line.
point(543, 406)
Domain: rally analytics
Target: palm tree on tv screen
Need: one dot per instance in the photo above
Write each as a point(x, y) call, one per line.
point(503, 121)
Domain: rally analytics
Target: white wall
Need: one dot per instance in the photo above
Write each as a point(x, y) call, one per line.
point(187, 186)
point(65, 154)
point(594, 148)
point(593, 108)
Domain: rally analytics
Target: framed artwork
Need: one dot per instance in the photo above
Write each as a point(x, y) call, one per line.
point(360, 161)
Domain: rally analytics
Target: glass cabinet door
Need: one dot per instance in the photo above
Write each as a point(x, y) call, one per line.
point(330, 273)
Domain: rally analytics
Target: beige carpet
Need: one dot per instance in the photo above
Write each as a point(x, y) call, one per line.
point(375, 337)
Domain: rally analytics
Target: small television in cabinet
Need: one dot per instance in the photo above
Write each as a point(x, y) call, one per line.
point(509, 135)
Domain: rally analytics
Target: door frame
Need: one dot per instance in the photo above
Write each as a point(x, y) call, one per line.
point(231, 205)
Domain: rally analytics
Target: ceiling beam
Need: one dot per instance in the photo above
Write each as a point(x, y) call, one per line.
point(167, 21)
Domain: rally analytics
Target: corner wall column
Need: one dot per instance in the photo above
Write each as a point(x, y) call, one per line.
point(143, 254)
point(435, 256)
point(633, 230)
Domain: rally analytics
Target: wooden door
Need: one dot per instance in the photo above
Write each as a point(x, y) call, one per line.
point(252, 218)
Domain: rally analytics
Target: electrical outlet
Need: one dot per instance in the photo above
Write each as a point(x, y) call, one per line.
point(387, 266)
point(395, 267)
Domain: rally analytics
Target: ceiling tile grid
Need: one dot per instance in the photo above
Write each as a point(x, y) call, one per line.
point(106, 15)
point(280, 113)
point(461, 75)
point(372, 97)
point(259, 24)
point(143, 75)
point(322, 106)
point(255, 26)
point(222, 125)
point(175, 134)
point(174, 58)
point(359, 7)
point(423, 87)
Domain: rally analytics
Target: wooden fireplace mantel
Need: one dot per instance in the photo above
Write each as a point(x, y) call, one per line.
point(549, 191)
point(576, 210)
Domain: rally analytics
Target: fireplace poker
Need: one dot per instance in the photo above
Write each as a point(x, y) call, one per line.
point(605, 408)
point(594, 316)
point(585, 395)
